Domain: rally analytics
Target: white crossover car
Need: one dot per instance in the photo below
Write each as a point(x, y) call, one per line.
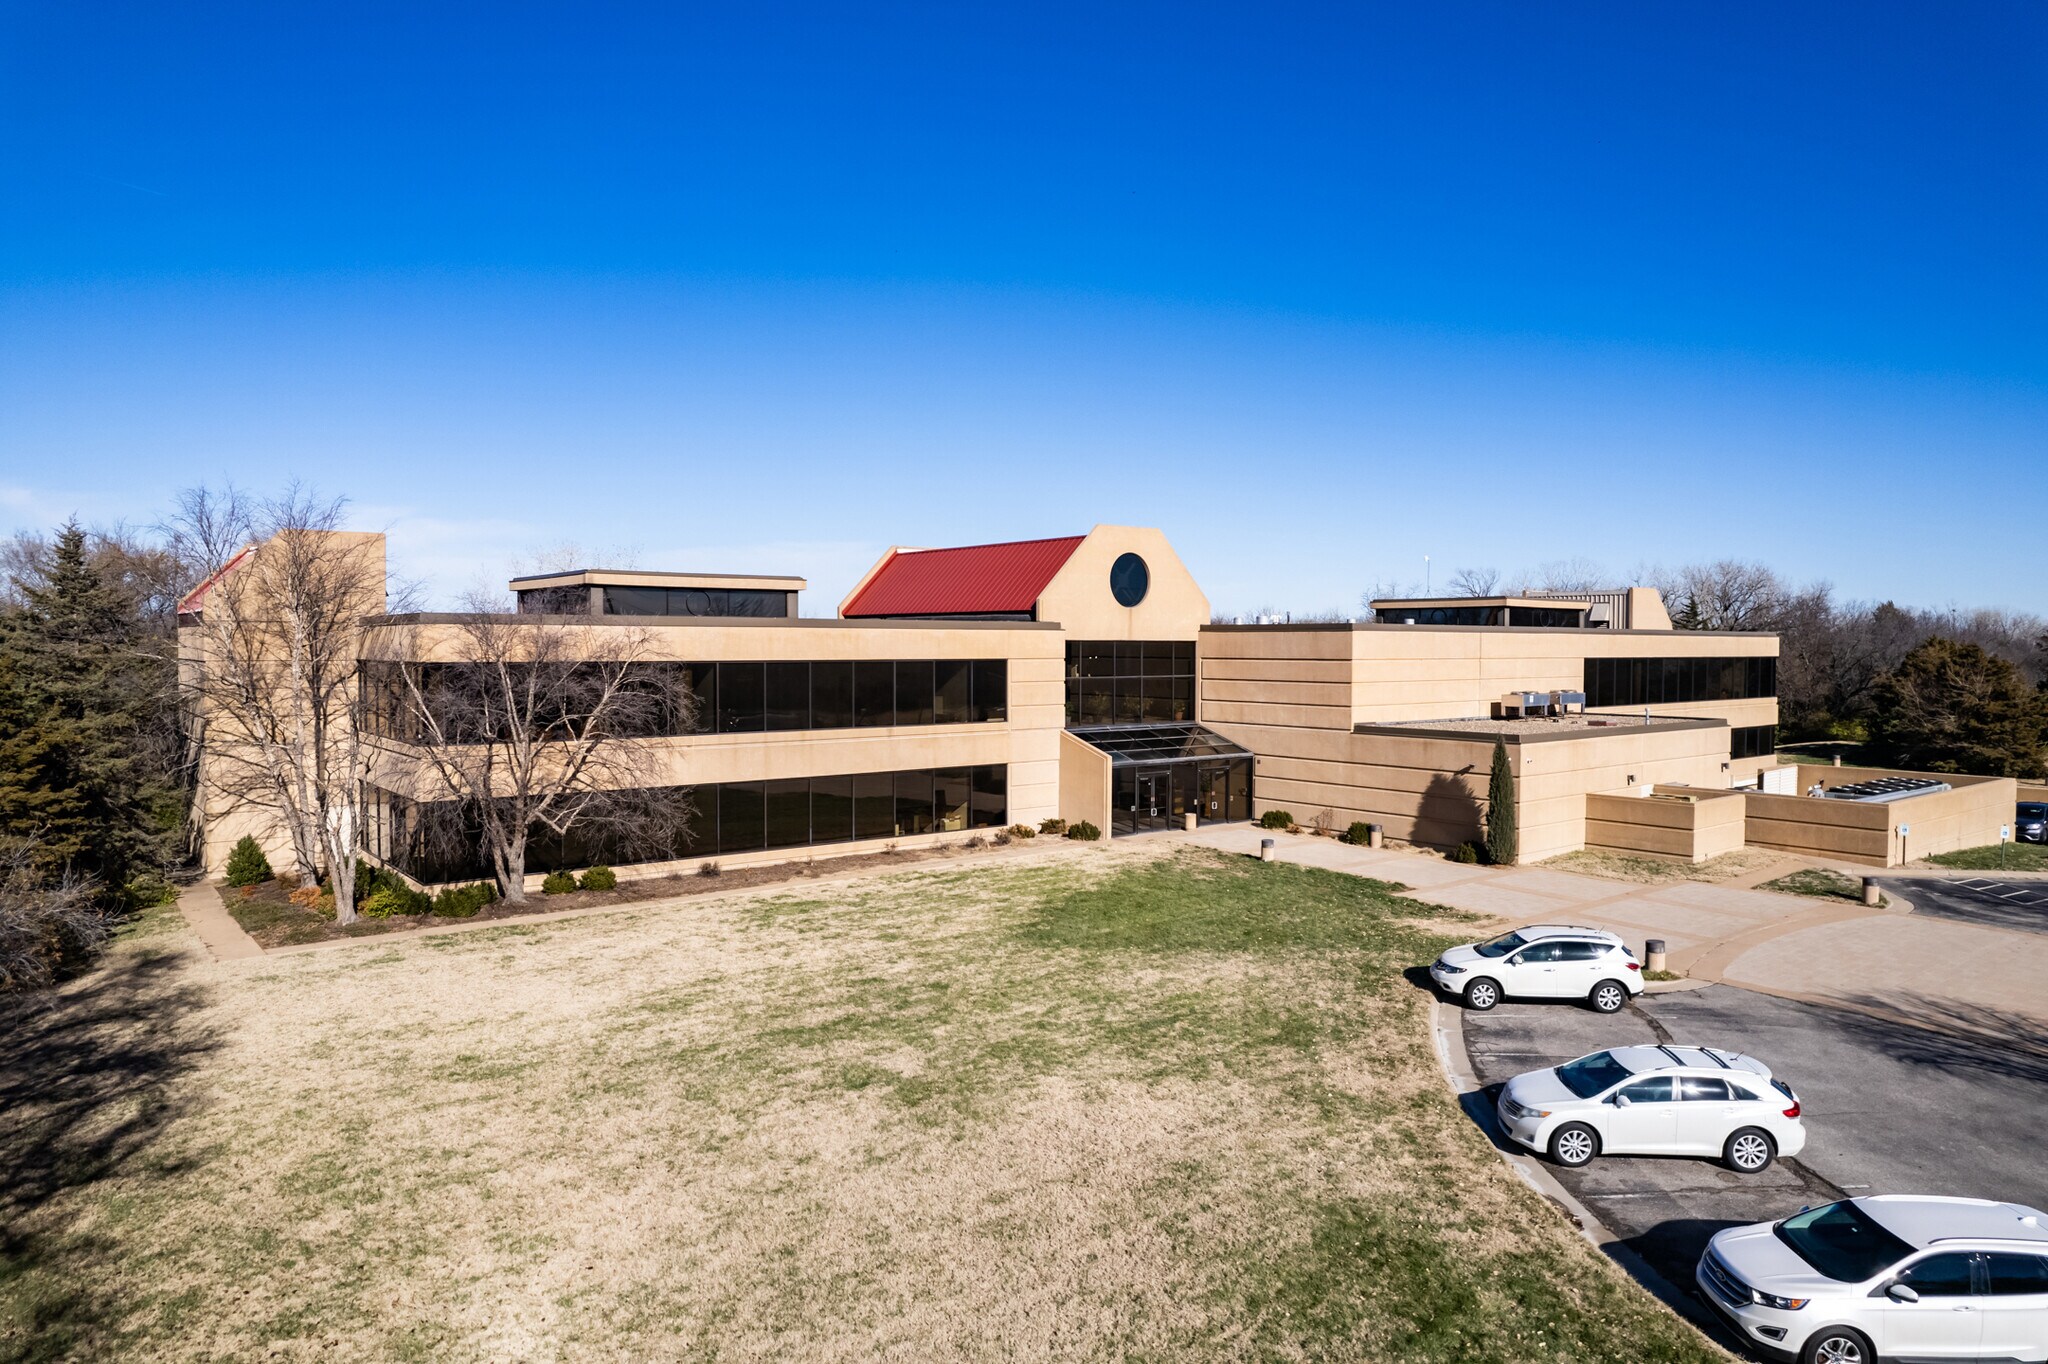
point(1543, 961)
point(1898, 1277)
point(1655, 1101)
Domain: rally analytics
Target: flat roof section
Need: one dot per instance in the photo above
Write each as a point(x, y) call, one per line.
point(1535, 729)
point(1361, 625)
point(1552, 603)
point(630, 577)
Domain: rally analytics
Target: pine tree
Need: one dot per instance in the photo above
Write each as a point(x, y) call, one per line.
point(1502, 841)
point(74, 686)
point(1951, 707)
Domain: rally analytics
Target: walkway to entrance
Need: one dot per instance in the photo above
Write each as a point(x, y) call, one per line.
point(1159, 774)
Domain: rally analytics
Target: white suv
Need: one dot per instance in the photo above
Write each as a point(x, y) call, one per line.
point(1655, 1101)
point(1542, 961)
point(1895, 1277)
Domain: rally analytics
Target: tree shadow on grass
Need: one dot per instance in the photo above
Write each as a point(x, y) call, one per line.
point(1943, 1034)
point(88, 1083)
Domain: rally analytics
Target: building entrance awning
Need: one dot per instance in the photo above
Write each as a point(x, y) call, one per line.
point(1144, 745)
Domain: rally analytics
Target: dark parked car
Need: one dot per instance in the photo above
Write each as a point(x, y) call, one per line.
point(2030, 822)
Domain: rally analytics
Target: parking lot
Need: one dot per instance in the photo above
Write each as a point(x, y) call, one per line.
point(1911, 1101)
point(1978, 899)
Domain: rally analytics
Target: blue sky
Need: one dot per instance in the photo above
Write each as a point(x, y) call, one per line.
point(1320, 291)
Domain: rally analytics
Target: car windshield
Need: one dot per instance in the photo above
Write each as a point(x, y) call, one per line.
point(1589, 1075)
point(2033, 811)
point(1501, 946)
point(1840, 1241)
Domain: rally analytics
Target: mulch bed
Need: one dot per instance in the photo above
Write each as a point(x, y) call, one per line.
point(267, 914)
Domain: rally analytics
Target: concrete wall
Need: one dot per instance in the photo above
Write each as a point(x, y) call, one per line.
point(2031, 790)
point(1085, 791)
point(1672, 822)
point(1078, 598)
point(1337, 676)
point(1969, 816)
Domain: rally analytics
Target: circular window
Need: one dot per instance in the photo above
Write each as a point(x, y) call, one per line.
point(1128, 579)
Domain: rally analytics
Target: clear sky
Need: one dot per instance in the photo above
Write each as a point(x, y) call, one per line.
point(1318, 290)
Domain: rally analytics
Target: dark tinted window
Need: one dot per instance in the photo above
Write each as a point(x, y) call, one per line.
point(952, 692)
point(1130, 681)
point(2016, 1274)
point(1840, 1241)
point(831, 695)
point(1580, 951)
point(741, 822)
point(952, 789)
point(913, 692)
point(1538, 953)
point(991, 689)
point(1715, 1091)
point(636, 601)
point(913, 802)
point(741, 698)
point(831, 809)
point(1671, 681)
point(1652, 1091)
point(874, 805)
point(789, 695)
point(991, 801)
point(788, 813)
point(874, 693)
point(1940, 1276)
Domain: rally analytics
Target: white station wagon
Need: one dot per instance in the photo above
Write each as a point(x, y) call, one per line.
point(1896, 1277)
point(1542, 961)
point(1655, 1101)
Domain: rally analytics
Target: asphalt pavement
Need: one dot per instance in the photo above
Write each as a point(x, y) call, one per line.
point(1891, 1105)
point(1981, 899)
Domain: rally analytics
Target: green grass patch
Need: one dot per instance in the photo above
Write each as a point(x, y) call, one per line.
point(1996, 857)
point(1822, 883)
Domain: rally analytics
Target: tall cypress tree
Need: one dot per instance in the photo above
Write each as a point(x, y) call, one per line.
point(1503, 843)
point(74, 687)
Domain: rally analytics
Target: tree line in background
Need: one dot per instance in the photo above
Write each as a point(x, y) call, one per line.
point(1938, 691)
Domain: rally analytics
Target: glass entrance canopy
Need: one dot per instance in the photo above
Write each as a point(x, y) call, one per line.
point(1159, 774)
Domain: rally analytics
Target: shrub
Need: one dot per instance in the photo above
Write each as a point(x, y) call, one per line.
point(1503, 842)
point(383, 902)
point(1001, 838)
point(1021, 831)
point(290, 880)
point(1084, 831)
point(599, 878)
point(149, 889)
point(1466, 853)
point(707, 868)
point(307, 897)
point(462, 902)
point(1276, 819)
point(975, 841)
point(557, 883)
point(1055, 827)
point(1360, 833)
point(247, 866)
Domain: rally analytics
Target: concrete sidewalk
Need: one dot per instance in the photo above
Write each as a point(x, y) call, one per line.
point(1792, 946)
point(203, 911)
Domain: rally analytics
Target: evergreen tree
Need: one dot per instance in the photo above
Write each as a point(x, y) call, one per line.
point(1503, 843)
point(1951, 707)
point(75, 686)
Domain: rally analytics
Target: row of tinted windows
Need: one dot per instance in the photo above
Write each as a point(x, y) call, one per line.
point(1753, 741)
point(432, 842)
point(1130, 681)
point(696, 601)
point(1668, 681)
point(743, 698)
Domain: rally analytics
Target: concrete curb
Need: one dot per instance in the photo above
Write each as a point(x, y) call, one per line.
point(1447, 1031)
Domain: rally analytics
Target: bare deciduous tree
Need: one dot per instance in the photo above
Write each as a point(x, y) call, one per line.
point(1576, 574)
point(270, 676)
point(1475, 582)
point(538, 725)
point(42, 923)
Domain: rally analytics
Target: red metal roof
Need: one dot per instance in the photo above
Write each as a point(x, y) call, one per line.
point(970, 580)
point(195, 600)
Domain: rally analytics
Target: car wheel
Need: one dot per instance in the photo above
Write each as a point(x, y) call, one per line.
point(1749, 1151)
point(1482, 994)
point(1609, 997)
point(1838, 1345)
point(1573, 1145)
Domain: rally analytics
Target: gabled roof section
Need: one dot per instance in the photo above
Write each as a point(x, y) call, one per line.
point(194, 601)
point(967, 581)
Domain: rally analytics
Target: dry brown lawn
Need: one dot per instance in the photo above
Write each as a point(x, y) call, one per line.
point(1113, 1102)
point(1655, 871)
